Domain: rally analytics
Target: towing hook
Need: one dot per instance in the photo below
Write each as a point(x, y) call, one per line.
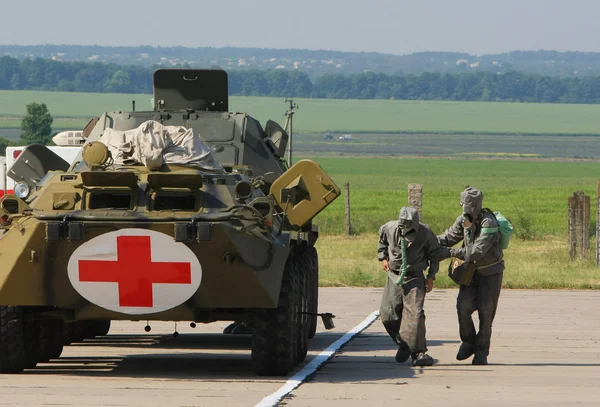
point(326, 317)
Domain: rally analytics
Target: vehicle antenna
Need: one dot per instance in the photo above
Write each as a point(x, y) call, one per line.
point(288, 125)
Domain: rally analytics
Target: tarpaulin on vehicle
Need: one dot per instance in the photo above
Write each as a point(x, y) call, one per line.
point(153, 144)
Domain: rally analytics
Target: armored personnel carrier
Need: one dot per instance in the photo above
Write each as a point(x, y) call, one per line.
point(188, 212)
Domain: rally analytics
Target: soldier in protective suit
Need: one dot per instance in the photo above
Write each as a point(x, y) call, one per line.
point(478, 229)
point(402, 303)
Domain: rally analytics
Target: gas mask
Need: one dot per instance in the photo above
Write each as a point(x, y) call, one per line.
point(408, 223)
point(405, 227)
point(471, 200)
point(467, 215)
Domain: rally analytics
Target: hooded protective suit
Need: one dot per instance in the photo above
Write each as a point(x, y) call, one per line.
point(402, 305)
point(421, 244)
point(478, 230)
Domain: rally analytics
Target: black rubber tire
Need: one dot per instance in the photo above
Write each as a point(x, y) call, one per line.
point(101, 328)
point(55, 347)
point(88, 329)
point(67, 333)
point(303, 270)
point(50, 339)
point(12, 349)
point(44, 341)
point(274, 330)
point(313, 295)
point(74, 332)
point(31, 339)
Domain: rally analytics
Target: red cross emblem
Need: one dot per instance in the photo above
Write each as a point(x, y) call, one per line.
point(134, 271)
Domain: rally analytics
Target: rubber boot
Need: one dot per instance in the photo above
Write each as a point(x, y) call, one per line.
point(480, 359)
point(230, 327)
point(465, 352)
point(241, 329)
point(422, 359)
point(403, 353)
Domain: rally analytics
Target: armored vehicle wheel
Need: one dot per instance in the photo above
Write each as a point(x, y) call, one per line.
point(44, 340)
point(12, 349)
point(50, 340)
point(275, 330)
point(88, 329)
point(31, 339)
point(313, 290)
point(73, 332)
point(66, 334)
point(54, 345)
point(304, 266)
point(91, 329)
point(100, 328)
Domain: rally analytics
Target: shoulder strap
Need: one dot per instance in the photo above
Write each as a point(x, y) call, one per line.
point(490, 230)
point(491, 212)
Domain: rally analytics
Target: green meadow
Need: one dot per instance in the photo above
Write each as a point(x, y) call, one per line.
point(541, 264)
point(321, 115)
point(510, 151)
point(532, 194)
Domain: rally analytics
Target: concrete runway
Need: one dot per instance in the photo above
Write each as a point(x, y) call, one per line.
point(545, 351)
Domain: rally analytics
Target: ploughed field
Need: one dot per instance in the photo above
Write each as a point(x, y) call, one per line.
point(452, 145)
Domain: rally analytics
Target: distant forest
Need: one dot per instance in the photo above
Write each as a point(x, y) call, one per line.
point(50, 75)
point(315, 63)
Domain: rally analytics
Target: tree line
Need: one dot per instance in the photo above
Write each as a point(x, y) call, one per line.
point(319, 62)
point(49, 75)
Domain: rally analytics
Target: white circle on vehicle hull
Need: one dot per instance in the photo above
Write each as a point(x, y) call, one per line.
point(135, 271)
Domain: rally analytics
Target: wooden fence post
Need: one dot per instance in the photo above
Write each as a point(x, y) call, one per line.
point(579, 219)
point(415, 198)
point(585, 226)
point(572, 238)
point(348, 225)
point(598, 227)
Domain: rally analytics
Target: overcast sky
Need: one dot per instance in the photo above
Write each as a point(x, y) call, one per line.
point(389, 26)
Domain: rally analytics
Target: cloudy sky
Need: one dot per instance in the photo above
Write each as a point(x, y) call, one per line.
point(389, 26)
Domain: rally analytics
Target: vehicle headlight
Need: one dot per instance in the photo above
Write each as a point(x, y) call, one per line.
point(21, 190)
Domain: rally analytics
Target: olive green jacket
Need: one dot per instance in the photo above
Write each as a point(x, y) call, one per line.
point(481, 244)
point(421, 253)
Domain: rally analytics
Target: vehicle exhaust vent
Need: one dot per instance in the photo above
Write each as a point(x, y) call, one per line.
point(110, 200)
point(10, 205)
point(167, 202)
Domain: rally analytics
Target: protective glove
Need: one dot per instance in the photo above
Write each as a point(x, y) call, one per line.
point(428, 285)
point(443, 253)
point(454, 252)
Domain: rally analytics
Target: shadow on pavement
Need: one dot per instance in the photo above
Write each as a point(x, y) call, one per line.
point(371, 357)
point(183, 341)
point(207, 356)
point(214, 356)
point(213, 366)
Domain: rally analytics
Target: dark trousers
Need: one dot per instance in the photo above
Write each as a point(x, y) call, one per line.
point(482, 296)
point(402, 312)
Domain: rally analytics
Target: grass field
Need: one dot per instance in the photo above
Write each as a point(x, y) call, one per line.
point(320, 115)
point(542, 264)
point(532, 194)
